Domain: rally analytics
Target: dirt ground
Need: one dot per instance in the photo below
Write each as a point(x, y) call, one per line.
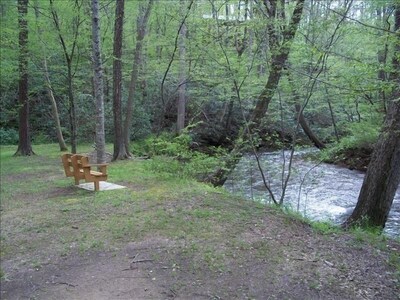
point(277, 259)
point(269, 255)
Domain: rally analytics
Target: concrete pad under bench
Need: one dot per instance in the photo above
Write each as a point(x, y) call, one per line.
point(104, 186)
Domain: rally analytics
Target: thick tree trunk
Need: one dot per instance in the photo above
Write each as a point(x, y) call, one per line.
point(383, 174)
point(141, 32)
point(24, 144)
point(119, 145)
point(98, 84)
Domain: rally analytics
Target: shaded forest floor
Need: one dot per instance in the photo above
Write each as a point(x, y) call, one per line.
point(165, 237)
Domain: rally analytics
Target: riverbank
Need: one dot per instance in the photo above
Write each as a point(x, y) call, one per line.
point(353, 159)
point(167, 237)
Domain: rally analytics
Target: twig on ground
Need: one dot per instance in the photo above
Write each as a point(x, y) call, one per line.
point(140, 260)
point(66, 283)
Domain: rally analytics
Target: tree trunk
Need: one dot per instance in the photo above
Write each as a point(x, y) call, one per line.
point(300, 116)
point(383, 174)
point(98, 84)
point(180, 124)
point(119, 145)
point(307, 130)
point(141, 32)
point(280, 48)
point(383, 16)
point(280, 54)
point(54, 109)
point(71, 108)
point(331, 111)
point(68, 59)
point(24, 144)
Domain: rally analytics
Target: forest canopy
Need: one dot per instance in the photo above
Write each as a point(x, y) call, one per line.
point(336, 72)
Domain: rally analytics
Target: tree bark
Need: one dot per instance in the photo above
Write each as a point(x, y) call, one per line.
point(383, 174)
point(300, 116)
point(72, 109)
point(383, 16)
point(141, 32)
point(280, 53)
point(98, 84)
point(307, 130)
point(54, 109)
point(180, 124)
point(119, 145)
point(24, 144)
point(331, 113)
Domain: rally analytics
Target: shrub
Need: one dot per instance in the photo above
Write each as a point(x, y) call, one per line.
point(41, 138)
point(179, 159)
point(8, 136)
point(362, 135)
point(361, 138)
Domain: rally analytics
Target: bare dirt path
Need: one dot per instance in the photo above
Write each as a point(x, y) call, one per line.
point(275, 259)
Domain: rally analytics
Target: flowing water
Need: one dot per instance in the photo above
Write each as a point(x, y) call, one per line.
point(319, 191)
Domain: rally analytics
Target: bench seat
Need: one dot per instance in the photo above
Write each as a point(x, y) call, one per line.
point(78, 166)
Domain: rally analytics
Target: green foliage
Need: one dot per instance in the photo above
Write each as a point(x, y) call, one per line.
point(216, 73)
point(41, 138)
point(361, 136)
point(165, 144)
point(363, 233)
point(8, 136)
point(325, 228)
point(172, 156)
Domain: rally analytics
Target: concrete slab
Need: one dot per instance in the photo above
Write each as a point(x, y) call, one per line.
point(104, 186)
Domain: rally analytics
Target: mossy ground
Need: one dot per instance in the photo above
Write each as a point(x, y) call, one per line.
point(168, 236)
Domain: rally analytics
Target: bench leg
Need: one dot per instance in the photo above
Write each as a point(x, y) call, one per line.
point(96, 185)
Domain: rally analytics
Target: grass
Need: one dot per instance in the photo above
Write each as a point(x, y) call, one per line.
point(43, 215)
point(42, 210)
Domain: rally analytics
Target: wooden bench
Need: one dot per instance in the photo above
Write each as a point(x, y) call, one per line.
point(77, 166)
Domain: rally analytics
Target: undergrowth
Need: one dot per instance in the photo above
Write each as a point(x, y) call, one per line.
point(361, 137)
point(173, 155)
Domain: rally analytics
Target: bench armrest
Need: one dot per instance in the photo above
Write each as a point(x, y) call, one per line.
point(97, 165)
point(101, 167)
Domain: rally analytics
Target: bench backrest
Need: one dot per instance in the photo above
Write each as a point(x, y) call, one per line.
point(78, 162)
point(67, 163)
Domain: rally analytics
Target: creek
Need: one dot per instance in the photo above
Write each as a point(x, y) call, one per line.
point(319, 191)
